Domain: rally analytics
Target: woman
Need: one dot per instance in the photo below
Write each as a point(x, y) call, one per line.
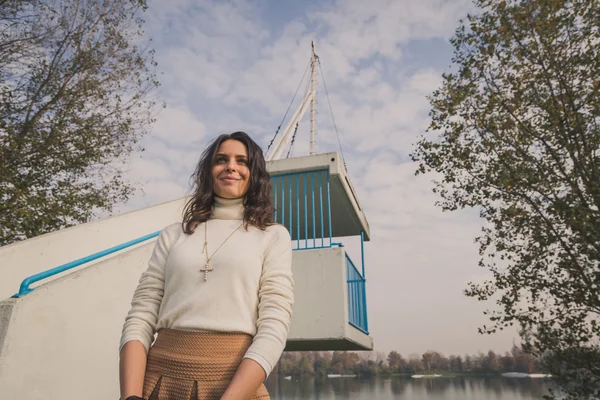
point(218, 288)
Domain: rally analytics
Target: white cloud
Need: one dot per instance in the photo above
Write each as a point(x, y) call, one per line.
point(179, 127)
point(165, 190)
point(226, 69)
point(149, 170)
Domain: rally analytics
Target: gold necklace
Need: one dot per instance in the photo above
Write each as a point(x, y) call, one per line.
point(207, 268)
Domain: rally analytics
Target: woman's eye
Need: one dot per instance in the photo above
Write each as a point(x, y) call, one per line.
point(243, 161)
point(220, 160)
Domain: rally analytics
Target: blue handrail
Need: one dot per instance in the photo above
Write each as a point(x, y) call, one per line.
point(357, 298)
point(25, 289)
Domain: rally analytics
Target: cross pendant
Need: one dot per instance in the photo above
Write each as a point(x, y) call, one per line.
point(207, 268)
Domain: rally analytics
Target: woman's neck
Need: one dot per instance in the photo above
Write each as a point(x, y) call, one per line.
point(228, 208)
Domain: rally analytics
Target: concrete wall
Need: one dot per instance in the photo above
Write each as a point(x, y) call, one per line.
point(61, 341)
point(321, 310)
point(22, 259)
point(320, 319)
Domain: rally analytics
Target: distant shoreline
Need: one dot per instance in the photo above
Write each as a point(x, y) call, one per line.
point(428, 375)
point(442, 374)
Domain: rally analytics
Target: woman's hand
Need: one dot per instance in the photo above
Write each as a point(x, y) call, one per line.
point(132, 368)
point(246, 381)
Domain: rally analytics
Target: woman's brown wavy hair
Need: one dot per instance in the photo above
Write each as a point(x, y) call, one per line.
point(258, 200)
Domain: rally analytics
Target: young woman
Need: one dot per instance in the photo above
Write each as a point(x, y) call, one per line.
point(218, 288)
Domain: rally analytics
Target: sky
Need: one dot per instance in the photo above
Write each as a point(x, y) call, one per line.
point(228, 65)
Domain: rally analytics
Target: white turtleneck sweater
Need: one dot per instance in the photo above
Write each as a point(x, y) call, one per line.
point(250, 289)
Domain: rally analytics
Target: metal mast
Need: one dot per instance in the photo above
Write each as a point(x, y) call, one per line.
point(313, 89)
point(309, 99)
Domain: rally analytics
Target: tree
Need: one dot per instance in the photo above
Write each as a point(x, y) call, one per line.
point(320, 364)
point(304, 367)
point(515, 133)
point(414, 364)
point(75, 98)
point(455, 363)
point(286, 367)
point(479, 362)
point(380, 358)
point(366, 368)
point(492, 363)
point(432, 360)
point(508, 363)
point(395, 361)
point(468, 364)
point(427, 359)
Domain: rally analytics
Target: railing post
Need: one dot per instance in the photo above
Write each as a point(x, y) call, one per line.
point(314, 220)
point(364, 284)
point(362, 252)
point(305, 212)
point(283, 201)
point(298, 208)
point(321, 209)
point(329, 208)
point(291, 181)
point(275, 198)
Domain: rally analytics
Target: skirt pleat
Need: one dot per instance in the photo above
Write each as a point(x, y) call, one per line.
point(188, 365)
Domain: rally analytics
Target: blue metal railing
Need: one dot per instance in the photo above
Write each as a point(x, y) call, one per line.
point(24, 289)
point(303, 205)
point(357, 297)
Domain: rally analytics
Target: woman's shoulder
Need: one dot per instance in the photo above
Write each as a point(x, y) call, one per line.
point(173, 231)
point(278, 231)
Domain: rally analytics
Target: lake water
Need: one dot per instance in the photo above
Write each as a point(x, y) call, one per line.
point(496, 388)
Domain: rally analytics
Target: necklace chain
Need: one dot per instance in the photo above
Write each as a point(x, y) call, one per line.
point(207, 268)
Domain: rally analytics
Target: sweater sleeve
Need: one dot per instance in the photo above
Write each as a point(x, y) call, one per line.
point(140, 323)
point(275, 300)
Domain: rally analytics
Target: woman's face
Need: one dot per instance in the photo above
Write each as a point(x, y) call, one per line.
point(230, 170)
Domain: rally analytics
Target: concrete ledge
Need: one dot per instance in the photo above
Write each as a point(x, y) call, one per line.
point(345, 343)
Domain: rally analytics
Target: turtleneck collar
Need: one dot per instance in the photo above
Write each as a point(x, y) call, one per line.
point(228, 208)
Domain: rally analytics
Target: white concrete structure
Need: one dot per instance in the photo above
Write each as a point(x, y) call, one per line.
point(22, 259)
point(316, 202)
point(61, 340)
point(320, 320)
point(348, 218)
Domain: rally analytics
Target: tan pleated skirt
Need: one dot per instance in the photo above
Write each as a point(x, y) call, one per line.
point(187, 365)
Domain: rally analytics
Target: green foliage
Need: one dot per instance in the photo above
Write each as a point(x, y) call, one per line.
point(320, 367)
point(395, 362)
point(319, 364)
point(367, 369)
point(305, 367)
point(515, 133)
point(75, 99)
